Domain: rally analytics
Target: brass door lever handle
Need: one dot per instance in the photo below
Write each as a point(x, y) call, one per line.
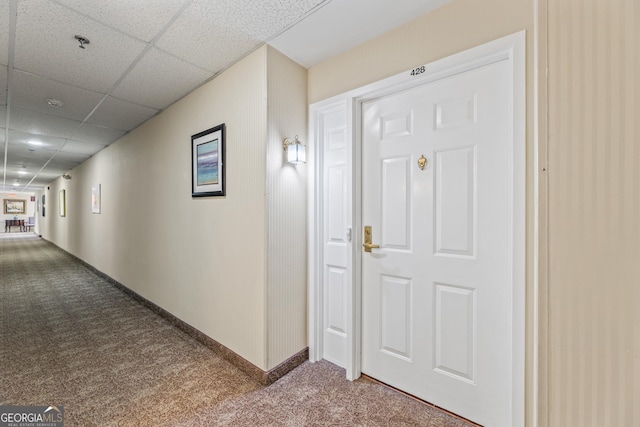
point(367, 245)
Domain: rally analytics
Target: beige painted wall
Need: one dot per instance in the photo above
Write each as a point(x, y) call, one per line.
point(594, 212)
point(205, 260)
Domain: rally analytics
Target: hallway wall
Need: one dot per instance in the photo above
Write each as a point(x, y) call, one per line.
point(202, 259)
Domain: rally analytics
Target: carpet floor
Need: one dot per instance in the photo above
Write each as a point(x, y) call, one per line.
point(69, 338)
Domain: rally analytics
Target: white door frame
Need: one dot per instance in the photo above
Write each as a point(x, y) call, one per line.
point(511, 48)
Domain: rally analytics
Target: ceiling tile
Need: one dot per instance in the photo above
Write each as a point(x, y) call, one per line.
point(66, 164)
point(125, 15)
point(190, 35)
point(49, 175)
point(44, 179)
point(266, 18)
point(312, 41)
point(45, 46)
point(81, 147)
point(97, 134)
point(68, 158)
point(31, 92)
point(118, 114)
point(49, 143)
point(60, 163)
point(4, 34)
point(41, 124)
point(237, 27)
point(159, 80)
point(13, 174)
point(21, 154)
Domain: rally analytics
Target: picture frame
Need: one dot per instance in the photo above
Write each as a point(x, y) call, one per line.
point(43, 205)
point(62, 203)
point(95, 199)
point(14, 206)
point(208, 168)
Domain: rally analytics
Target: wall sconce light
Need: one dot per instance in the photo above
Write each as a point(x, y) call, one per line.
point(295, 151)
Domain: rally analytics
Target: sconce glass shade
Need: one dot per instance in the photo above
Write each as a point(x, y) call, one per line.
point(295, 151)
point(296, 154)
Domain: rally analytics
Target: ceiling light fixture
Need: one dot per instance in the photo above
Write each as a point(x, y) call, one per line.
point(22, 172)
point(82, 40)
point(55, 103)
point(37, 143)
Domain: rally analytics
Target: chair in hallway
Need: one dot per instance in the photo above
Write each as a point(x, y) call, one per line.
point(28, 226)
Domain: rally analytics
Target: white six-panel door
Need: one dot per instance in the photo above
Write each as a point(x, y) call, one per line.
point(436, 295)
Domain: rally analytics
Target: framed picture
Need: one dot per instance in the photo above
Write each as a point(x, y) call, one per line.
point(95, 199)
point(13, 206)
point(207, 162)
point(62, 203)
point(43, 205)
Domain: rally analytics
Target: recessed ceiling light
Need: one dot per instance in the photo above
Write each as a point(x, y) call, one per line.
point(55, 103)
point(38, 143)
point(21, 172)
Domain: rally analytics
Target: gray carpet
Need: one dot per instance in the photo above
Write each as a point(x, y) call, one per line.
point(69, 338)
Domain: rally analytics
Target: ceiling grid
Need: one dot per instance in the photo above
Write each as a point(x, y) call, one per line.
point(62, 101)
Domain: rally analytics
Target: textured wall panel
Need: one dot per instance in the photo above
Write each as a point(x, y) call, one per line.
point(286, 211)
point(594, 184)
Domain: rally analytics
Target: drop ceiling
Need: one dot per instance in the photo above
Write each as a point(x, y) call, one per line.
point(142, 56)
